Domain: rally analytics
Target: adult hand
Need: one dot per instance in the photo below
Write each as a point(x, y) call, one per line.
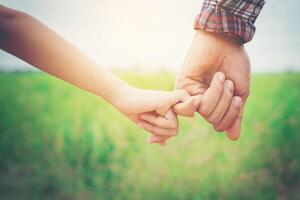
point(208, 54)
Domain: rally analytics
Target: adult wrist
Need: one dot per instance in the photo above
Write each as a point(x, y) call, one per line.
point(231, 37)
point(221, 38)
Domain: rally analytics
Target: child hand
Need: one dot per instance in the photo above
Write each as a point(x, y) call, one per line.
point(186, 108)
point(152, 110)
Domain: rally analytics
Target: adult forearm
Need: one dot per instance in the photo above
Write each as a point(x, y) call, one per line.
point(35, 43)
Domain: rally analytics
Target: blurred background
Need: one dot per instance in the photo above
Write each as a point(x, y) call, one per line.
point(154, 35)
point(59, 142)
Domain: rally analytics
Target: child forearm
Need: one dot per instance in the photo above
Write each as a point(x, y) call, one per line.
point(35, 43)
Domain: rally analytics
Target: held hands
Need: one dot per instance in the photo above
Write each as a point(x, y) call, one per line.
point(198, 87)
point(152, 110)
point(208, 101)
point(208, 91)
point(156, 111)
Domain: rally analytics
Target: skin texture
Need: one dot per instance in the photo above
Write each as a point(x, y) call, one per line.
point(209, 97)
point(152, 110)
point(35, 43)
point(208, 54)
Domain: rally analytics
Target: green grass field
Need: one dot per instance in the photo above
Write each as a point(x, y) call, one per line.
point(59, 142)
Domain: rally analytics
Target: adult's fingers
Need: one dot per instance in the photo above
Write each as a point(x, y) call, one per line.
point(231, 115)
point(223, 105)
point(212, 95)
point(234, 131)
point(193, 87)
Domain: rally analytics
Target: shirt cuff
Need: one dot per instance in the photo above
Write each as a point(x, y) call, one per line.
point(236, 17)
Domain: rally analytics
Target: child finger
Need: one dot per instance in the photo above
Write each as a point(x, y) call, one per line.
point(185, 109)
point(188, 107)
point(158, 120)
point(179, 95)
point(176, 96)
point(157, 130)
point(173, 98)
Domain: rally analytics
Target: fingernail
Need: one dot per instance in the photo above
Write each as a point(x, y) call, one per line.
point(237, 102)
point(221, 76)
point(229, 85)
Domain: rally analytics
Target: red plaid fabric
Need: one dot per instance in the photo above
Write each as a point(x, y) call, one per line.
point(236, 17)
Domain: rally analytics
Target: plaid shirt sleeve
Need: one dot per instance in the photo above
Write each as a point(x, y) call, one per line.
point(235, 17)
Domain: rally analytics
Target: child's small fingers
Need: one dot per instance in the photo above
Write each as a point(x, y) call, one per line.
point(171, 116)
point(197, 100)
point(169, 121)
point(157, 139)
point(159, 121)
point(157, 130)
point(188, 107)
point(185, 109)
point(173, 98)
point(178, 96)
